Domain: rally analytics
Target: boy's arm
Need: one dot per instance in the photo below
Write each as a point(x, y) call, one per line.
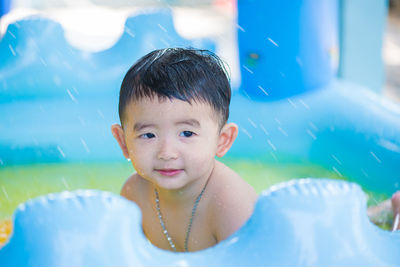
point(396, 210)
point(378, 214)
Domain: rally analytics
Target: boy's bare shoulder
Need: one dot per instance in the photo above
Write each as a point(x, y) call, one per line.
point(230, 185)
point(133, 188)
point(233, 201)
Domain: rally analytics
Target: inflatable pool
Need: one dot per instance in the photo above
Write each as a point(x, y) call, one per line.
point(291, 107)
point(302, 223)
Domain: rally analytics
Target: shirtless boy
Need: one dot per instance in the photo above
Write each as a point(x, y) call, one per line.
point(174, 107)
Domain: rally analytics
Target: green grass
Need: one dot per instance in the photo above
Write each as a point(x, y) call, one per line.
point(20, 183)
point(261, 175)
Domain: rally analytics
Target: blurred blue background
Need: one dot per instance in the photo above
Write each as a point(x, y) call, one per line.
point(308, 80)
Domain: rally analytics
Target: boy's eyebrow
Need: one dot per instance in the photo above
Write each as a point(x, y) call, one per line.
point(139, 126)
point(191, 122)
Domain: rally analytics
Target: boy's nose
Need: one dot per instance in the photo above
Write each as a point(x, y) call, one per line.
point(167, 151)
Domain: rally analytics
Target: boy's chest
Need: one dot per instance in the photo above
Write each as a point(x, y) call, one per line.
point(177, 226)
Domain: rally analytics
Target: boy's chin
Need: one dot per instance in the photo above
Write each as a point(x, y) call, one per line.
point(173, 184)
point(170, 183)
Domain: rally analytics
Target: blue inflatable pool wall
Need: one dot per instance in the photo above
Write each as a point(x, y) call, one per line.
point(61, 101)
point(58, 102)
point(301, 223)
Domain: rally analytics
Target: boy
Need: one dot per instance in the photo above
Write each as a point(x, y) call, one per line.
point(174, 107)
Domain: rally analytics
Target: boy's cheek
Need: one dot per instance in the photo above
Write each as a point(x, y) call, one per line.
point(135, 156)
point(139, 168)
point(133, 148)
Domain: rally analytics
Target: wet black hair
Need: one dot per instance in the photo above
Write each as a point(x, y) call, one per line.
point(186, 74)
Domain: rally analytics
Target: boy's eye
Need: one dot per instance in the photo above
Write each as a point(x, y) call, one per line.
point(186, 134)
point(147, 136)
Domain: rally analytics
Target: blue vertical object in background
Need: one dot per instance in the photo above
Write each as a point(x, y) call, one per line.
point(362, 25)
point(286, 47)
point(5, 6)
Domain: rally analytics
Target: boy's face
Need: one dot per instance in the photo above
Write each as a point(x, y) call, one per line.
point(171, 143)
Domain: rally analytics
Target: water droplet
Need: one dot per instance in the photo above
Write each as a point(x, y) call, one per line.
point(311, 134)
point(82, 121)
point(336, 170)
point(273, 42)
point(129, 32)
point(274, 156)
point(240, 28)
point(263, 90)
point(85, 145)
point(162, 28)
point(5, 193)
point(12, 50)
point(336, 159)
point(43, 62)
point(65, 183)
point(364, 172)
point(249, 70)
point(282, 131)
point(166, 43)
point(271, 144)
point(100, 113)
point(304, 104)
point(61, 151)
point(246, 132)
point(12, 35)
point(72, 96)
point(252, 123)
point(263, 129)
point(377, 159)
point(299, 61)
point(291, 103)
point(315, 128)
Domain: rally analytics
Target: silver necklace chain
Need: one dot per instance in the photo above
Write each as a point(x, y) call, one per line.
point(169, 239)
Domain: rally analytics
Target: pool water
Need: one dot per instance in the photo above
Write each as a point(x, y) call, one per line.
point(22, 182)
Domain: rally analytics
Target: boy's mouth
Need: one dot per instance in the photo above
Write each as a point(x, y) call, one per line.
point(169, 172)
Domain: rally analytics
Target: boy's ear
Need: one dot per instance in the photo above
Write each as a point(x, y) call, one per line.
point(118, 134)
point(227, 136)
